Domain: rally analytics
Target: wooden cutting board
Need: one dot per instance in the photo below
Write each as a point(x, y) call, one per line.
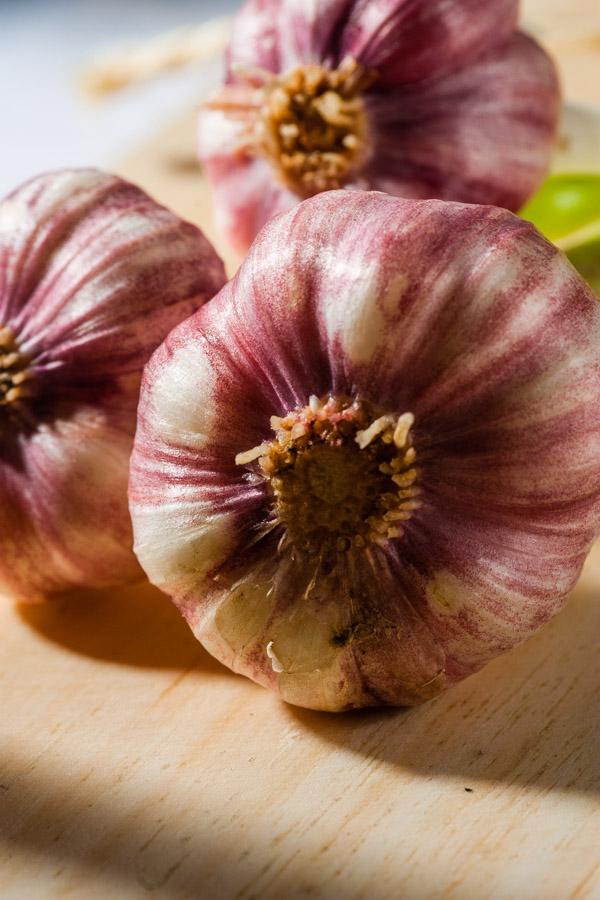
point(132, 765)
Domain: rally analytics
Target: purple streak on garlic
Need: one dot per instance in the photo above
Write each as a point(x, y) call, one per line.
point(372, 462)
point(419, 99)
point(93, 275)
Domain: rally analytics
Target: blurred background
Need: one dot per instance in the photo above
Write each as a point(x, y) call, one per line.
point(47, 45)
point(52, 52)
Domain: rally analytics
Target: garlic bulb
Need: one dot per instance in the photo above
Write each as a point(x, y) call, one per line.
point(420, 99)
point(93, 275)
point(372, 462)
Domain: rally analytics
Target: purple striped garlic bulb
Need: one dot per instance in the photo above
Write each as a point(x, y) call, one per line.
point(418, 98)
point(93, 275)
point(372, 462)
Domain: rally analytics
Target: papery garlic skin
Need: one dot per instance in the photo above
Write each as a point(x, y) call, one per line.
point(472, 348)
point(93, 275)
point(454, 104)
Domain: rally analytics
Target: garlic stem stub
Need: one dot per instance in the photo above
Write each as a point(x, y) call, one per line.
point(422, 99)
point(93, 275)
point(372, 463)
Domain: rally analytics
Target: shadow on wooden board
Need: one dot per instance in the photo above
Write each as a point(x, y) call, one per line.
point(101, 837)
point(133, 625)
point(531, 717)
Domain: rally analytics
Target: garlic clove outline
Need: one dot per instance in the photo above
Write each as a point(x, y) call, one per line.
point(475, 133)
point(444, 100)
point(406, 42)
point(93, 275)
point(462, 332)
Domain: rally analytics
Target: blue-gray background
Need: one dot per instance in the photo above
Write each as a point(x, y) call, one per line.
point(45, 122)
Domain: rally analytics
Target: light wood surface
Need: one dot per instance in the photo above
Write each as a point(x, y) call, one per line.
point(132, 765)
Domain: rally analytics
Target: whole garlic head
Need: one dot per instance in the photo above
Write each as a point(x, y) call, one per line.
point(420, 99)
point(372, 462)
point(93, 275)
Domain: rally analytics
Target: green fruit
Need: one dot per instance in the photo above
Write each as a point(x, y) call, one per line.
point(586, 259)
point(566, 210)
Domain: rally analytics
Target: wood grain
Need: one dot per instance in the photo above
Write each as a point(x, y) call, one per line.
point(132, 765)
